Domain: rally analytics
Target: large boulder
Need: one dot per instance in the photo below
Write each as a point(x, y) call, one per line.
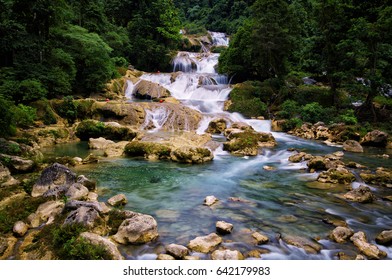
point(139, 229)
point(352, 146)
point(18, 164)
point(150, 90)
point(115, 149)
point(341, 234)
point(109, 247)
point(100, 207)
point(369, 250)
point(338, 175)
point(86, 216)
point(191, 155)
point(385, 238)
point(375, 138)
point(227, 255)
point(361, 194)
point(77, 192)
point(53, 176)
point(205, 244)
point(149, 150)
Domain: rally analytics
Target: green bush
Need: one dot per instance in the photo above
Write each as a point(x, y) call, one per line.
point(291, 124)
point(348, 117)
point(31, 90)
point(7, 121)
point(90, 129)
point(313, 112)
point(25, 115)
point(68, 245)
point(289, 109)
point(68, 109)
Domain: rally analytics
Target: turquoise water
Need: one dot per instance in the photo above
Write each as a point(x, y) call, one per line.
point(283, 201)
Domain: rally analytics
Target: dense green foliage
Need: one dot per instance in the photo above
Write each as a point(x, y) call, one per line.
point(66, 47)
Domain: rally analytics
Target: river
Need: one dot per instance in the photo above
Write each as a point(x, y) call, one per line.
point(284, 201)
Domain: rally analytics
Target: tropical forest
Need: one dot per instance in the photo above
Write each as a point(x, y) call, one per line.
point(195, 130)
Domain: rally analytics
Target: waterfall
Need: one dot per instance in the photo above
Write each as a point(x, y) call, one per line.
point(196, 84)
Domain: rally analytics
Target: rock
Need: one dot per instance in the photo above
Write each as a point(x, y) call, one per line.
point(297, 157)
point(321, 132)
point(92, 197)
point(382, 177)
point(353, 164)
point(217, 126)
point(12, 182)
point(148, 150)
point(287, 219)
point(338, 175)
point(369, 250)
point(7, 246)
point(256, 254)
point(77, 192)
point(91, 159)
point(210, 200)
point(91, 185)
point(360, 258)
point(223, 227)
point(86, 216)
point(139, 229)
point(78, 160)
point(51, 177)
point(192, 258)
point(246, 141)
point(5, 174)
point(269, 168)
point(205, 244)
point(362, 194)
point(191, 155)
point(375, 138)
point(177, 251)
point(385, 238)
point(278, 125)
point(20, 228)
point(227, 255)
point(149, 90)
point(317, 163)
point(165, 257)
point(352, 146)
point(110, 248)
point(260, 238)
point(98, 206)
point(310, 246)
point(99, 143)
point(18, 164)
point(341, 234)
point(116, 149)
point(117, 200)
point(46, 213)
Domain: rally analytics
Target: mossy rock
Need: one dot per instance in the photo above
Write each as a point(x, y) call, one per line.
point(336, 176)
point(147, 150)
point(94, 129)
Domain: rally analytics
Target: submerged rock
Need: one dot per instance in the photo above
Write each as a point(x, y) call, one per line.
point(139, 229)
point(227, 255)
point(297, 157)
point(369, 250)
point(361, 194)
point(385, 238)
point(205, 244)
point(109, 247)
point(210, 200)
point(310, 246)
point(352, 146)
point(341, 234)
